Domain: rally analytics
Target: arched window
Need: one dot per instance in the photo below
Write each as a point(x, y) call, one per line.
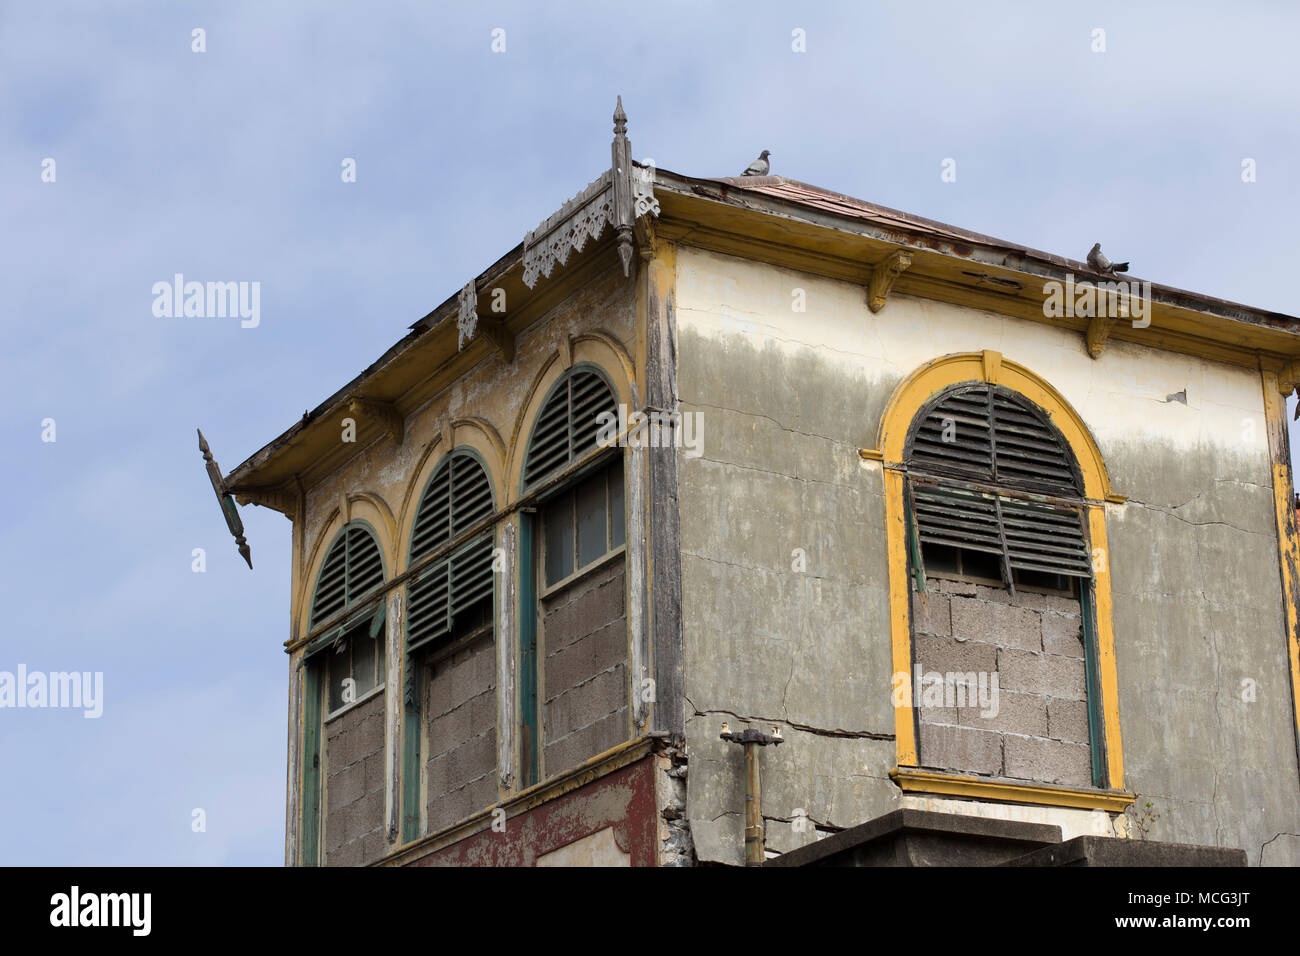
point(457, 590)
point(450, 647)
point(568, 423)
point(344, 669)
point(1004, 647)
point(573, 622)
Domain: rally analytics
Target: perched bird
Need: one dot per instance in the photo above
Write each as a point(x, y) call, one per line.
point(1099, 262)
point(760, 166)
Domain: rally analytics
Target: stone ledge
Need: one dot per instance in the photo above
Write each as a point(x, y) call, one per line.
point(925, 838)
point(1115, 851)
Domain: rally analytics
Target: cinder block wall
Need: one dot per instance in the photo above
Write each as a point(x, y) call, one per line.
point(460, 712)
point(584, 687)
point(354, 784)
point(1034, 645)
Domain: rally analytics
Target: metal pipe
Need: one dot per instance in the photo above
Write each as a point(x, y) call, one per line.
point(755, 836)
point(755, 843)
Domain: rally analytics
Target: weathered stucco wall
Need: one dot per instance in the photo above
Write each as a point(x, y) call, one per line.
point(785, 610)
point(382, 485)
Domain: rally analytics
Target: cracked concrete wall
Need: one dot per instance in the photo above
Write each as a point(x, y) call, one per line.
point(785, 606)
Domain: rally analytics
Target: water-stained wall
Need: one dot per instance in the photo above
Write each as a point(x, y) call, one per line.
point(785, 603)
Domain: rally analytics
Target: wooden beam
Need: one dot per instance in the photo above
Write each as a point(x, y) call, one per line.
point(1279, 451)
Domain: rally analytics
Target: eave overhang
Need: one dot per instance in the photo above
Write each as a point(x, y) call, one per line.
point(792, 224)
point(768, 219)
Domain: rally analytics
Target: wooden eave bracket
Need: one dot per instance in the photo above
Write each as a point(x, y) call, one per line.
point(281, 499)
point(385, 414)
point(469, 325)
point(883, 276)
point(1098, 332)
point(495, 331)
point(643, 231)
point(1288, 377)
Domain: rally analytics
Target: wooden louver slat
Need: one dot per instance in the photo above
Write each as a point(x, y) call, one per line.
point(457, 496)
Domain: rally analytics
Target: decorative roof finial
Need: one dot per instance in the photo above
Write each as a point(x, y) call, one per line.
point(620, 119)
point(226, 500)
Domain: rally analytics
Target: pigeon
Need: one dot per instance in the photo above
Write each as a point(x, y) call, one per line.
point(1099, 262)
point(760, 166)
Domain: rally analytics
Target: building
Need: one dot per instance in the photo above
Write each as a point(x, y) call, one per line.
point(972, 530)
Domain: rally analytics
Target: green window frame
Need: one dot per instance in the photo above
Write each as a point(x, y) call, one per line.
point(454, 596)
point(352, 571)
point(563, 456)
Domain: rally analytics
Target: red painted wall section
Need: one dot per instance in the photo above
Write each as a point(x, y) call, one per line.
point(624, 800)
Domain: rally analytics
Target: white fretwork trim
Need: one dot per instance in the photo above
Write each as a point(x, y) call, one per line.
point(467, 321)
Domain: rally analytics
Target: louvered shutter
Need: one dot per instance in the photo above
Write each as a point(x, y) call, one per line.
point(993, 435)
point(998, 440)
point(353, 568)
point(447, 589)
point(963, 418)
point(1028, 451)
point(458, 496)
point(567, 425)
point(1045, 537)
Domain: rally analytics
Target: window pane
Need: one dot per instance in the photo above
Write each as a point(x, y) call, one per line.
point(558, 531)
point(363, 664)
point(617, 519)
point(340, 665)
point(591, 519)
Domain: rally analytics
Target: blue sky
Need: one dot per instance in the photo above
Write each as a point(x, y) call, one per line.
point(225, 165)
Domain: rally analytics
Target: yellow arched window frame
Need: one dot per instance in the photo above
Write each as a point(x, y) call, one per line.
point(907, 400)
